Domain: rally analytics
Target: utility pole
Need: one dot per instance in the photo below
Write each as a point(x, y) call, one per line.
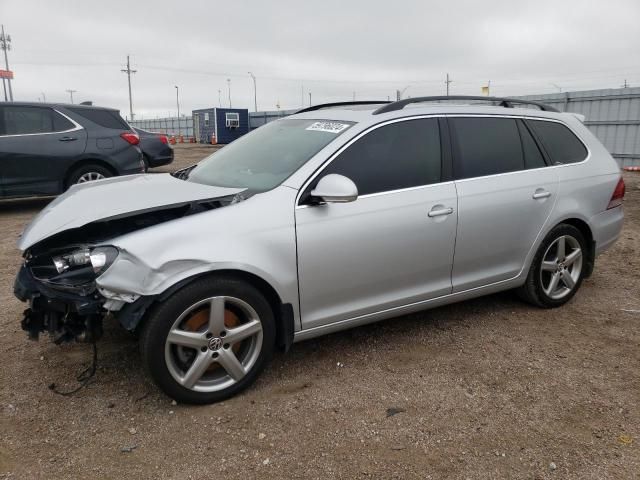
point(5, 44)
point(44, 97)
point(354, 96)
point(128, 71)
point(71, 92)
point(309, 98)
point(302, 95)
point(220, 98)
point(447, 83)
point(625, 85)
point(255, 94)
point(229, 87)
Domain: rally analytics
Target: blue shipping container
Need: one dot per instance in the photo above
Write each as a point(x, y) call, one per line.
point(227, 124)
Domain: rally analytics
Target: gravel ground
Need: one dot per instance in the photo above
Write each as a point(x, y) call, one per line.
point(489, 388)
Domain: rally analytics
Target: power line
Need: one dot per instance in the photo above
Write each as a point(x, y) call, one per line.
point(128, 71)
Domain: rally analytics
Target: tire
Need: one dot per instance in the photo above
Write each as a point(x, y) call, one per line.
point(88, 172)
point(189, 359)
point(569, 270)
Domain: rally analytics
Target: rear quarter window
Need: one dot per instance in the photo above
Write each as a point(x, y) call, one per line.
point(561, 144)
point(104, 118)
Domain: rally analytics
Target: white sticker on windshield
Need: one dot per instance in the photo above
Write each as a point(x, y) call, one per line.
point(329, 127)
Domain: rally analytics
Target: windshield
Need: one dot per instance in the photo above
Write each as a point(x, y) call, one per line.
point(264, 158)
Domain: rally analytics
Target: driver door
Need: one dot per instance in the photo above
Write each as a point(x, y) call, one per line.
point(391, 247)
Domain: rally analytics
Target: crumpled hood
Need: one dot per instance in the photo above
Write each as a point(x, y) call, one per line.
point(114, 197)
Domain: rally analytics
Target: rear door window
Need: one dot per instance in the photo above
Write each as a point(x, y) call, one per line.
point(18, 120)
point(104, 118)
point(395, 156)
point(60, 123)
point(486, 146)
point(560, 143)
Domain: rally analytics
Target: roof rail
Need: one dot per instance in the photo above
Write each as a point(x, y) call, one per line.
point(502, 102)
point(341, 104)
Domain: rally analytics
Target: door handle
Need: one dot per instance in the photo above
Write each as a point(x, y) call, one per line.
point(67, 139)
point(438, 211)
point(541, 193)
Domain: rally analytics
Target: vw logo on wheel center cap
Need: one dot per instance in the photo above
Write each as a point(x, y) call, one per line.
point(215, 343)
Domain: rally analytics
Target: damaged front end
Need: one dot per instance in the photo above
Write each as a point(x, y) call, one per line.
point(61, 293)
point(58, 276)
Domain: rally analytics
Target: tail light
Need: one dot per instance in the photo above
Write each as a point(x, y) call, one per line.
point(618, 195)
point(130, 137)
point(163, 139)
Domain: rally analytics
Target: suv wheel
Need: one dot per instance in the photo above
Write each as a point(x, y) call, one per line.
point(557, 270)
point(209, 340)
point(88, 173)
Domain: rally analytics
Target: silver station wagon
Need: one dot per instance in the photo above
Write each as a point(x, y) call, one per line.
point(337, 216)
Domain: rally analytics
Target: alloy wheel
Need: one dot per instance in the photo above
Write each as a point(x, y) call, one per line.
point(90, 177)
point(561, 267)
point(213, 344)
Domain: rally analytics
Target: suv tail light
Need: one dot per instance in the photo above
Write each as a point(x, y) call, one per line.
point(618, 195)
point(130, 137)
point(164, 139)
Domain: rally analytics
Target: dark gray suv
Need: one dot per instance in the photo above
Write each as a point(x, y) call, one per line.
point(45, 148)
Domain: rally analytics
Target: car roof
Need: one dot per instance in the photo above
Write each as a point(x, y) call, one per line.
point(62, 105)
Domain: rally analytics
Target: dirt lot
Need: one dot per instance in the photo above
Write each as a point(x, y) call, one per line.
point(489, 388)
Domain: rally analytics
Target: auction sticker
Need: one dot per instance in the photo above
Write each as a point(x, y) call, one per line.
point(329, 127)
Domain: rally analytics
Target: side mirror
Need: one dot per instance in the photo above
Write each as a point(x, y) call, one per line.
point(334, 188)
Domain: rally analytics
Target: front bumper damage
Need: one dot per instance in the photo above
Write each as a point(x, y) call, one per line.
point(64, 315)
point(68, 316)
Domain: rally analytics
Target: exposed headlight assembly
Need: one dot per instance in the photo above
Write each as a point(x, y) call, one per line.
point(99, 258)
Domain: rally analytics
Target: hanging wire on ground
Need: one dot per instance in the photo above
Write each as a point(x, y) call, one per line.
point(83, 377)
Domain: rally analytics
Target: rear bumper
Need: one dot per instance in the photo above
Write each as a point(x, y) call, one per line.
point(606, 228)
point(160, 160)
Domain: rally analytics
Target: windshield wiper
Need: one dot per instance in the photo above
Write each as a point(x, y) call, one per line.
point(183, 173)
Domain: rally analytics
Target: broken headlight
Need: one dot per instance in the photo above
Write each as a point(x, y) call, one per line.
point(99, 259)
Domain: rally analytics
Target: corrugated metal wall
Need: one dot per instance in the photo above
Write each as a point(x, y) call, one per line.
point(169, 125)
point(613, 115)
point(257, 119)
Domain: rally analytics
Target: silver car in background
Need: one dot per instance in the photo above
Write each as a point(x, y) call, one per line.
point(337, 216)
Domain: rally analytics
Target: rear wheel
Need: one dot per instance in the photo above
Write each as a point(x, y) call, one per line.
point(557, 270)
point(88, 173)
point(209, 340)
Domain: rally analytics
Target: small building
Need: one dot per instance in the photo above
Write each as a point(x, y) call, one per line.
point(227, 124)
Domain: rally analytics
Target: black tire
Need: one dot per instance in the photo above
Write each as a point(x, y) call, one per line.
point(533, 290)
point(162, 318)
point(75, 176)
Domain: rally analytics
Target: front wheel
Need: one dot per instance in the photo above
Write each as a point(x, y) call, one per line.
point(557, 270)
point(209, 340)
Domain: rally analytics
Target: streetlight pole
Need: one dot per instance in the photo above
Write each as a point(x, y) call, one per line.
point(5, 44)
point(255, 94)
point(309, 98)
point(229, 87)
point(178, 105)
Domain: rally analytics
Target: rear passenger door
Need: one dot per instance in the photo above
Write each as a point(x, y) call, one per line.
point(506, 192)
point(393, 245)
point(37, 145)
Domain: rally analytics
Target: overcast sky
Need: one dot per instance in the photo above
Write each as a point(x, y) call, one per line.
point(333, 49)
